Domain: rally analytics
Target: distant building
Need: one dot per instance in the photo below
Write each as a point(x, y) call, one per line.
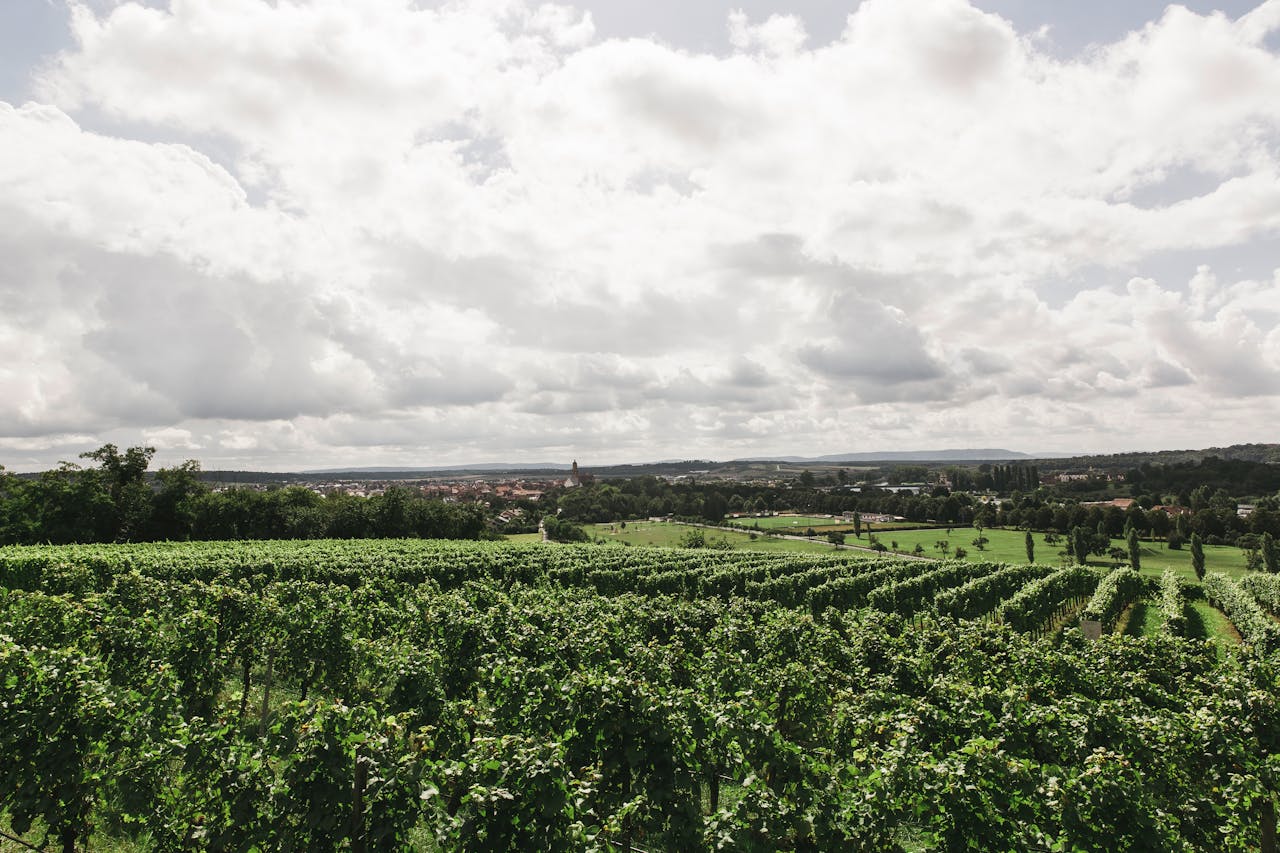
point(1121, 503)
point(577, 478)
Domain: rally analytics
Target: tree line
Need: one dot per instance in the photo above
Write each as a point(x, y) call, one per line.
point(114, 500)
point(1212, 515)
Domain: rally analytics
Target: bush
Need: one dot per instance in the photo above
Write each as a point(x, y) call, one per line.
point(693, 539)
point(563, 531)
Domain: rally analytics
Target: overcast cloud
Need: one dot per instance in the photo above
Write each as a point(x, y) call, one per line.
point(309, 233)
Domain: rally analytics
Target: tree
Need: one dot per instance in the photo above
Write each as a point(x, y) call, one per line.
point(1031, 547)
point(806, 479)
point(125, 476)
point(174, 505)
point(835, 537)
point(857, 525)
point(1269, 555)
point(1251, 545)
point(1135, 550)
point(1197, 556)
point(693, 539)
point(714, 506)
point(1080, 545)
point(565, 531)
point(69, 504)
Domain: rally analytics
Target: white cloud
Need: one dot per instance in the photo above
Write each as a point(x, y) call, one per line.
point(288, 231)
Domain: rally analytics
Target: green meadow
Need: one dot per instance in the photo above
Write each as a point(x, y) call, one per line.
point(1008, 546)
point(664, 534)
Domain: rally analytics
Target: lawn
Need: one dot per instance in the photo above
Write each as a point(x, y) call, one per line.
point(1144, 620)
point(796, 523)
point(668, 535)
point(820, 523)
point(1007, 546)
point(1209, 622)
point(664, 534)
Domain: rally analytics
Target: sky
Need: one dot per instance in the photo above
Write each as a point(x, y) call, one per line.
point(290, 234)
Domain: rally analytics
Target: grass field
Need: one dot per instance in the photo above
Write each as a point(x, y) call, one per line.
point(1144, 620)
point(1209, 622)
point(1007, 546)
point(664, 534)
point(668, 535)
point(1204, 622)
point(819, 523)
point(792, 522)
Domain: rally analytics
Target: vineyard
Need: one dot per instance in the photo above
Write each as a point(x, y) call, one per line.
point(420, 695)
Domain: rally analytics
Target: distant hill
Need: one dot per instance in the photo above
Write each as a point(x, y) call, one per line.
point(1265, 453)
point(969, 455)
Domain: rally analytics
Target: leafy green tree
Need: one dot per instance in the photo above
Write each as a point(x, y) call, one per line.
point(1269, 556)
point(1197, 556)
point(714, 506)
point(693, 539)
point(15, 522)
point(835, 537)
point(1183, 530)
point(1030, 544)
point(174, 504)
point(1080, 545)
point(1135, 549)
point(69, 504)
point(125, 475)
point(565, 531)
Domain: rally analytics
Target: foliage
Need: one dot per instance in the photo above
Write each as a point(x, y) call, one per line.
point(1173, 604)
point(495, 697)
point(1114, 593)
point(563, 531)
point(1255, 626)
point(1042, 599)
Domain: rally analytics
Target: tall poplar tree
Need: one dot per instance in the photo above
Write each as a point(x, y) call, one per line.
point(1197, 556)
point(1080, 545)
